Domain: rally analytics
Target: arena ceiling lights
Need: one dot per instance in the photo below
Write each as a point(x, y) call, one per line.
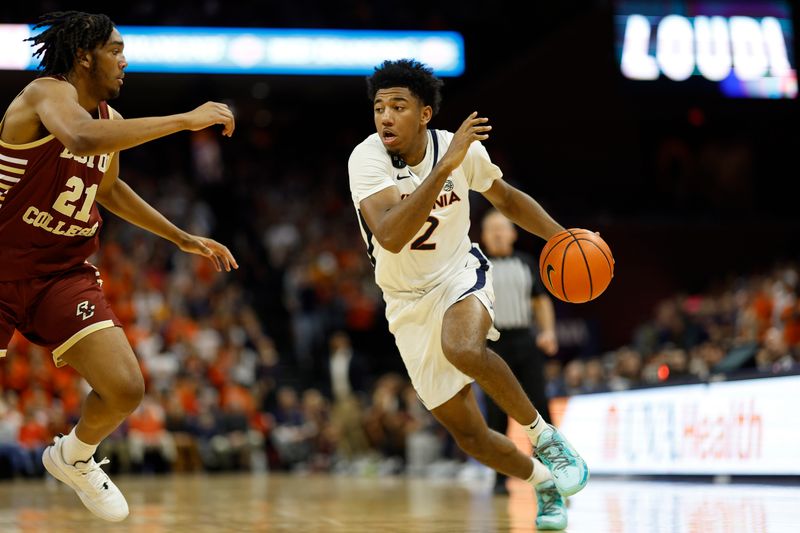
point(261, 51)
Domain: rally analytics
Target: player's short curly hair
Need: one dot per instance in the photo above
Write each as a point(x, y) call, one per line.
point(64, 33)
point(410, 74)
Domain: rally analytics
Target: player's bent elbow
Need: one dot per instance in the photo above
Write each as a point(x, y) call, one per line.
point(390, 244)
point(85, 142)
point(395, 249)
point(79, 145)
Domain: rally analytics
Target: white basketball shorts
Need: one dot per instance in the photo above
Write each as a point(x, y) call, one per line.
point(416, 323)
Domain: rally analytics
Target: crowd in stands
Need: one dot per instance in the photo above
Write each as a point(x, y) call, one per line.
point(223, 395)
point(287, 363)
point(747, 325)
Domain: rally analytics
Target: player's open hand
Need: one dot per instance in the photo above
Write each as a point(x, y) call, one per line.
point(474, 128)
point(217, 253)
point(547, 342)
point(209, 114)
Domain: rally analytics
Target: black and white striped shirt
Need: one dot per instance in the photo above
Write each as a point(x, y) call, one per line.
point(516, 281)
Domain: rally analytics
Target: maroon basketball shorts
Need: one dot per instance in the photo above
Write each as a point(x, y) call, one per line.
point(55, 311)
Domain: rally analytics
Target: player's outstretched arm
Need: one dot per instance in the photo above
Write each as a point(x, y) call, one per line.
point(56, 104)
point(393, 222)
point(521, 209)
point(117, 196)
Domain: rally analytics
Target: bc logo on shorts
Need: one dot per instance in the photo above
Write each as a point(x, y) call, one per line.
point(85, 309)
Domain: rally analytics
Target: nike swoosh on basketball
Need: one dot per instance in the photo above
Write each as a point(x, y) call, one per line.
point(403, 177)
point(550, 270)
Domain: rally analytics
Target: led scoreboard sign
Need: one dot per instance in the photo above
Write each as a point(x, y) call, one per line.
point(744, 47)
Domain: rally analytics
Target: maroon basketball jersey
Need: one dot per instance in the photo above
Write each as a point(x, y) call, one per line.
point(49, 221)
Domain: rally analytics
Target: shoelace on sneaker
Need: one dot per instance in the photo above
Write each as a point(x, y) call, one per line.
point(555, 453)
point(95, 476)
point(549, 501)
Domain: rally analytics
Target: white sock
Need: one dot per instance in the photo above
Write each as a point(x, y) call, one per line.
point(535, 428)
point(540, 473)
point(74, 449)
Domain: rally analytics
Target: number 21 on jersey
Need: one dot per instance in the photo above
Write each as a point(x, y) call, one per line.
point(67, 201)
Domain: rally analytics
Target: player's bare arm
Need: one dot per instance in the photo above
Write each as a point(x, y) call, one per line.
point(118, 197)
point(54, 104)
point(545, 317)
point(394, 222)
point(523, 210)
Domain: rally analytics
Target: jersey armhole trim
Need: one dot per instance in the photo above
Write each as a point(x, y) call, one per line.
point(435, 139)
point(26, 146)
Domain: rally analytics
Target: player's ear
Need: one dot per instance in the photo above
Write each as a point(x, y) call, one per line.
point(83, 58)
point(427, 114)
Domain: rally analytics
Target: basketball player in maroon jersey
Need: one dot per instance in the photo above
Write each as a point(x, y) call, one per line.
point(59, 155)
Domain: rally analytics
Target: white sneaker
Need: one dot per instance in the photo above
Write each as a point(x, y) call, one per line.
point(97, 492)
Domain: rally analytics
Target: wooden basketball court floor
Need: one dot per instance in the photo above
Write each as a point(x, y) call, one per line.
point(321, 503)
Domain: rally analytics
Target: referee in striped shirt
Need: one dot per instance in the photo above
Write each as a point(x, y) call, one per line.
point(520, 299)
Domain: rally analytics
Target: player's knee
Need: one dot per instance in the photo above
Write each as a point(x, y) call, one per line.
point(467, 357)
point(127, 394)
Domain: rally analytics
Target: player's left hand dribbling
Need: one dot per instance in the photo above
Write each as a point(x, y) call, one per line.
point(217, 253)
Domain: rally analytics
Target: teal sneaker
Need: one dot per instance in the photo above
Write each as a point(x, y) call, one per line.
point(551, 513)
point(569, 470)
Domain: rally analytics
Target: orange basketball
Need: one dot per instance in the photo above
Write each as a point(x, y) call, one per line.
point(576, 265)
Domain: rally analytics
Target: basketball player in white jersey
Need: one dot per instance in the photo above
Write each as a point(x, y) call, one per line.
point(410, 187)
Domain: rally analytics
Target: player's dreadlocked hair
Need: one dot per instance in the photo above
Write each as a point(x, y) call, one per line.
point(410, 74)
point(66, 32)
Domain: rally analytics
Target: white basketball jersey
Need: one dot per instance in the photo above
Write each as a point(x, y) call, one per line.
point(438, 250)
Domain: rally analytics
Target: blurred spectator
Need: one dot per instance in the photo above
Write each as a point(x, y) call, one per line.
point(179, 424)
point(316, 412)
point(775, 355)
point(626, 370)
point(14, 458)
point(116, 448)
point(346, 383)
point(386, 421)
point(152, 447)
point(552, 377)
point(573, 377)
point(293, 435)
point(204, 430)
point(236, 441)
point(594, 377)
point(704, 358)
point(33, 436)
point(425, 440)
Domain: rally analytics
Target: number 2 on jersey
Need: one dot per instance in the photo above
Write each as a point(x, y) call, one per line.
point(64, 202)
point(419, 243)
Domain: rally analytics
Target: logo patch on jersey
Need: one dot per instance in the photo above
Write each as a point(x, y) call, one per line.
point(397, 161)
point(403, 177)
point(448, 185)
point(85, 309)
